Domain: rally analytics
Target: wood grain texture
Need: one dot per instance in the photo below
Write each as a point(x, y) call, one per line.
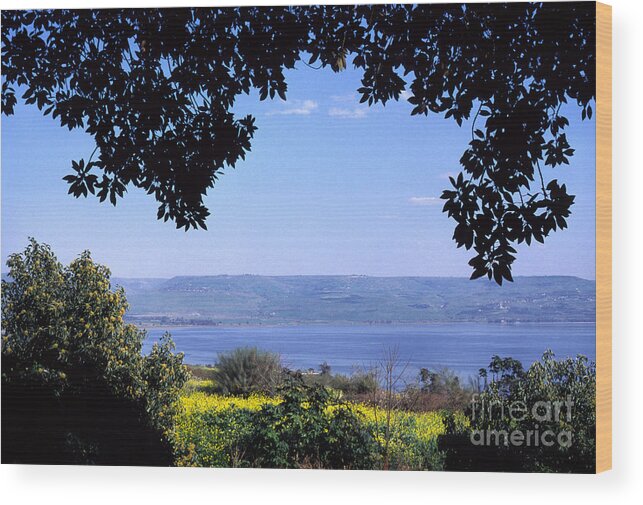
point(603, 237)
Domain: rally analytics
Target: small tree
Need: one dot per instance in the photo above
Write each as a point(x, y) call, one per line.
point(438, 389)
point(309, 429)
point(324, 368)
point(75, 386)
point(246, 370)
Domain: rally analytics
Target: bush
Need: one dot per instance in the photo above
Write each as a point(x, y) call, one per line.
point(247, 370)
point(359, 383)
point(308, 429)
point(200, 372)
point(443, 381)
point(555, 396)
point(75, 387)
point(356, 385)
point(437, 390)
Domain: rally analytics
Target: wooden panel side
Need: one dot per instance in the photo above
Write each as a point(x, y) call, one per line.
point(603, 237)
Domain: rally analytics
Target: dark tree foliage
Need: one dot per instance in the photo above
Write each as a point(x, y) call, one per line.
point(76, 388)
point(156, 90)
point(87, 423)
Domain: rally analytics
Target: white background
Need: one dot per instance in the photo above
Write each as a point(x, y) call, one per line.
point(52, 485)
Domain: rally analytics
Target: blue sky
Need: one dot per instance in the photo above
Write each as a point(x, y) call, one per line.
point(330, 187)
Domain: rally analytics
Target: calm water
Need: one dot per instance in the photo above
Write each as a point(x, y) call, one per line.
point(462, 347)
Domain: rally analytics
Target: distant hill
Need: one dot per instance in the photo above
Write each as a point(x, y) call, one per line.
point(251, 299)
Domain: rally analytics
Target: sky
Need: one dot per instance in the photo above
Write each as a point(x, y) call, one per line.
point(331, 186)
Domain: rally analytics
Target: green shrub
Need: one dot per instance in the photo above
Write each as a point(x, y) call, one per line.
point(556, 397)
point(247, 370)
point(302, 432)
point(437, 390)
point(75, 386)
point(439, 381)
point(358, 384)
point(201, 372)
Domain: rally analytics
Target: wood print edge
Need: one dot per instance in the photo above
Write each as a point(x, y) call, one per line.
point(603, 237)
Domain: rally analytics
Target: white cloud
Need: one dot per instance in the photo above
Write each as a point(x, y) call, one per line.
point(424, 200)
point(296, 108)
point(351, 113)
point(405, 95)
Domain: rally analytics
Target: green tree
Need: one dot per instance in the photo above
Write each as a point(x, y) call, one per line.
point(75, 386)
point(309, 429)
point(156, 90)
point(246, 370)
point(510, 419)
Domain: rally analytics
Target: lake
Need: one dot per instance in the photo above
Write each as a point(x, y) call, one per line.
point(462, 347)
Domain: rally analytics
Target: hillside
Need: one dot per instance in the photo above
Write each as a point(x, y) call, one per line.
point(250, 299)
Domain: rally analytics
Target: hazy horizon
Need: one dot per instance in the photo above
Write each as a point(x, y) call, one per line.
point(353, 275)
point(484, 279)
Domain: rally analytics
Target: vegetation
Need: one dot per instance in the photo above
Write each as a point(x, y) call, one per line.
point(156, 89)
point(356, 385)
point(539, 420)
point(436, 424)
point(75, 386)
point(304, 427)
point(438, 390)
point(201, 372)
point(76, 389)
point(317, 420)
point(248, 370)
